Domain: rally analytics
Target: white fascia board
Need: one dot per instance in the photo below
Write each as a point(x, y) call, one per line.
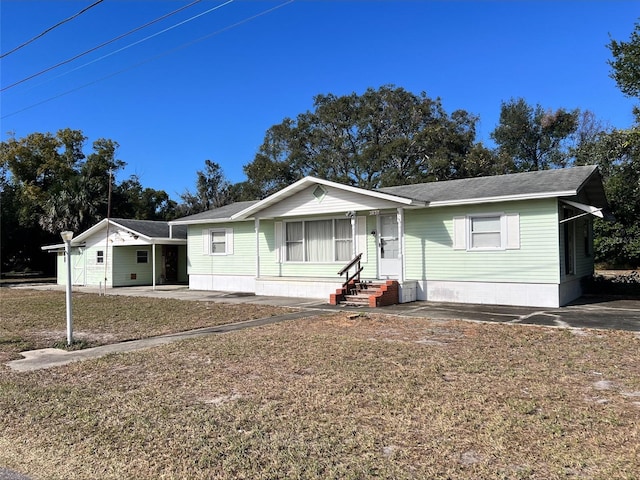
point(503, 198)
point(167, 241)
point(203, 221)
point(307, 181)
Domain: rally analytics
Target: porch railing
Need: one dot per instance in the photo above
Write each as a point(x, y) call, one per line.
point(356, 275)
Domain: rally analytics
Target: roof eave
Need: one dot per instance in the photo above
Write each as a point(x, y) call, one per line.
point(204, 221)
point(504, 198)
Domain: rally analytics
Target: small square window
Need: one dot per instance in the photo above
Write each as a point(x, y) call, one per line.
point(142, 256)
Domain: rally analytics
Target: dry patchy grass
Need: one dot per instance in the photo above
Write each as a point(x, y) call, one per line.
point(333, 397)
point(33, 319)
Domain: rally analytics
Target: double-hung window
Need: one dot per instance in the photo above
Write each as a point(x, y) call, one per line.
point(318, 241)
point(486, 232)
point(493, 231)
point(100, 256)
point(218, 241)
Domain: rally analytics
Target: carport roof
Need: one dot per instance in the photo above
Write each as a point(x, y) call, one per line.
point(151, 228)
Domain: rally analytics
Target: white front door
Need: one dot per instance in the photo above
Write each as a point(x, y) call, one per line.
point(388, 246)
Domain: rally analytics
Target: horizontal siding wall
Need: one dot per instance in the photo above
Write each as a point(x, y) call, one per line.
point(125, 266)
point(95, 272)
point(241, 262)
point(431, 231)
point(584, 256)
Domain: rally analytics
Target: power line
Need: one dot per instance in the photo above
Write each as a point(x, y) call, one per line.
point(69, 60)
point(50, 28)
point(146, 38)
point(151, 59)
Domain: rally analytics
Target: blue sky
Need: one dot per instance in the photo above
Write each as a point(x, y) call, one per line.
point(171, 106)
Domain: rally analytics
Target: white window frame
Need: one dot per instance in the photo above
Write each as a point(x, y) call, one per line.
point(334, 241)
point(509, 232)
point(208, 241)
point(99, 257)
point(503, 230)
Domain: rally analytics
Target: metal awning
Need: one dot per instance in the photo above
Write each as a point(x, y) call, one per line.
point(588, 209)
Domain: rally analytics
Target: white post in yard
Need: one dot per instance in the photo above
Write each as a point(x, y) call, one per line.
point(67, 236)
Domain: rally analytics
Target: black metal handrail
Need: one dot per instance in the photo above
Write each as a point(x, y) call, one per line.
point(345, 271)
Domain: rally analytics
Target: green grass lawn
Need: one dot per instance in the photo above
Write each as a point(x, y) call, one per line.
point(334, 397)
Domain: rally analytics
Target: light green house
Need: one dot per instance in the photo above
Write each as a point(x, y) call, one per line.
point(519, 239)
point(120, 252)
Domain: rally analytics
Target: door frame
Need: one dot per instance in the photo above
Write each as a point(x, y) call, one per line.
point(390, 268)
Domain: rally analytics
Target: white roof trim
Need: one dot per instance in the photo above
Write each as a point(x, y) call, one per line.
point(585, 208)
point(203, 221)
point(307, 181)
point(503, 198)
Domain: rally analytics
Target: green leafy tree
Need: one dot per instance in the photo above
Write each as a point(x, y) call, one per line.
point(49, 185)
point(131, 200)
point(213, 190)
point(382, 137)
point(535, 138)
point(625, 63)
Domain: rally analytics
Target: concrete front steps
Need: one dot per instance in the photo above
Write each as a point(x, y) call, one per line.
point(367, 294)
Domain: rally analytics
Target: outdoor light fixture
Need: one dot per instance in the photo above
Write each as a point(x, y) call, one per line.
point(67, 236)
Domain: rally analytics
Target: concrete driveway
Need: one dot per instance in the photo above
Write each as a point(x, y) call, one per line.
point(587, 312)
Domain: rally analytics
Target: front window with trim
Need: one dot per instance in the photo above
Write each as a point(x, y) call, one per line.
point(319, 241)
point(486, 232)
point(218, 242)
point(100, 256)
point(142, 256)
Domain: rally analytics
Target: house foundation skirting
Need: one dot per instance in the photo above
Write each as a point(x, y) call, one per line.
point(296, 287)
point(494, 293)
point(223, 283)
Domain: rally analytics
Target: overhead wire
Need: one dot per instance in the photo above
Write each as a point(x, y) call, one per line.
point(51, 28)
point(104, 44)
point(151, 59)
point(146, 38)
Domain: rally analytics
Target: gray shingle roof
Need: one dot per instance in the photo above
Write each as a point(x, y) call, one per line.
point(152, 228)
point(528, 183)
point(221, 213)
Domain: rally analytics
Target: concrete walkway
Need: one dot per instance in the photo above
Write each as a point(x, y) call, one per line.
point(54, 357)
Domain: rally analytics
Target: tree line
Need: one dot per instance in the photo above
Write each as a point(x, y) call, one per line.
point(383, 137)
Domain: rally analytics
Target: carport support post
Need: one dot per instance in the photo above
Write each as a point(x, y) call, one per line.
point(67, 236)
point(256, 223)
point(153, 265)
